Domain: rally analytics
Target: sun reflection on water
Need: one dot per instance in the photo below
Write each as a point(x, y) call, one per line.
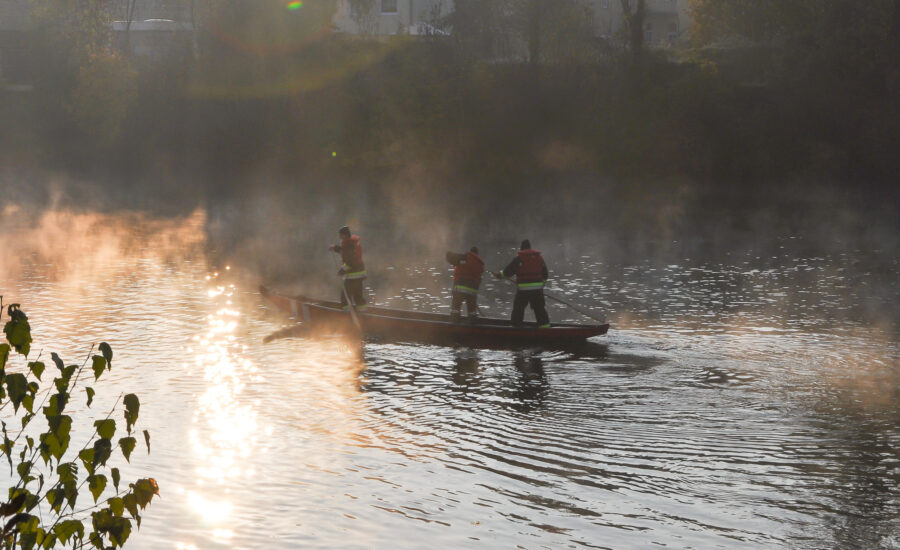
point(226, 428)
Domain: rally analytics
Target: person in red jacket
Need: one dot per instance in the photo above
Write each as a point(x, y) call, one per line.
point(467, 272)
point(353, 269)
point(531, 275)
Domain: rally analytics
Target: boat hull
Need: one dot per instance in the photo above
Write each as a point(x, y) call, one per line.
point(401, 325)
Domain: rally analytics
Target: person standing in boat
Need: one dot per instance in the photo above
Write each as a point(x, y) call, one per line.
point(531, 275)
point(467, 270)
point(353, 269)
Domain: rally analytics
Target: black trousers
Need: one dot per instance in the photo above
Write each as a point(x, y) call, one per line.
point(456, 302)
point(534, 298)
point(354, 288)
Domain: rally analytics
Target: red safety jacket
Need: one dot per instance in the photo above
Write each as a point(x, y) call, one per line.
point(530, 274)
point(467, 274)
point(351, 254)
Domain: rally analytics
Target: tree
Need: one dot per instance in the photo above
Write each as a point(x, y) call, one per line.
point(635, 12)
point(78, 69)
point(50, 475)
point(532, 30)
point(364, 15)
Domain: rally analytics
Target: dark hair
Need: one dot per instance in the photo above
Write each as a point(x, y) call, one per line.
point(344, 231)
point(526, 244)
point(474, 249)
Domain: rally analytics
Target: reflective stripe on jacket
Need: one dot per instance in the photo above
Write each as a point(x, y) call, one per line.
point(467, 274)
point(531, 274)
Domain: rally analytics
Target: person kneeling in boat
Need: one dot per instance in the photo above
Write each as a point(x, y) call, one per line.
point(353, 269)
point(467, 270)
point(531, 274)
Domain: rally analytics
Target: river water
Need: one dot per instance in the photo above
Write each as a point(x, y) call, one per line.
point(747, 403)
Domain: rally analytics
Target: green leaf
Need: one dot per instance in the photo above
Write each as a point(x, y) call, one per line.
point(99, 365)
point(54, 446)
point(118, 528)
point(13, 506)
point(107, 352)
point(62, 384)
point(57, 361)
point(25, 523)
point(18, 331)
point(48, 542)
point(60, 425)
point(116, 506)
point(144, 489)
point(57, 404)
point(65, 529)
point(45, 446)
point(120, 532)
point(102, 521)
point(7, 446)
point(69, 371)
point(56, 497)
point(90, 393)
point(147, 440)
point(102, 451)
point(127, 445)
point(130, 503)
point(67, 471)
point(37, 368)
point(4, 354)
point(132, 408)
point(87, 458)
point(116, 477)
point(97, 483)
point(106, 428)
point(24, 468)
point(71, 488)
point(28, 403)
point(17, 385)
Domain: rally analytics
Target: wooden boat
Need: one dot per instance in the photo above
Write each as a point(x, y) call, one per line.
point(402, 325)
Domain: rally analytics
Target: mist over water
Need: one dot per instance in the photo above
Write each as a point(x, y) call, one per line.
point(744, 398)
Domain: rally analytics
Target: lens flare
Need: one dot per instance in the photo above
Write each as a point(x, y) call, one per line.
point(296, 5)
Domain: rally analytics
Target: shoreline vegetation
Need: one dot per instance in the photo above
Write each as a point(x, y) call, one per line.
point(769, 116)
point(785, 98)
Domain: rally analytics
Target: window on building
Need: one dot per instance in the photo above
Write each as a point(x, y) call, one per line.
point(673, 32)
point(648, 33)
point(604, 4)
point(388, 6)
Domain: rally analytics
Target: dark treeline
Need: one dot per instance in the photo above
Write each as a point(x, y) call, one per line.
point(790, 94)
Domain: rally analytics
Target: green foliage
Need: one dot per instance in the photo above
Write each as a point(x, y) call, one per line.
point(36, 368)
point(58, 478)
point(127, 445)
point(132, 407)
point(105, 90)
point(17, 330)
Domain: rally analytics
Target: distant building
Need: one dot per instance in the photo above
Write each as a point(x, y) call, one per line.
point(15, 29)
point(154, 30)
point(389, 17)
point(665, 23)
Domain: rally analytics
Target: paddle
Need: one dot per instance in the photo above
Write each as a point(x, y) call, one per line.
point(555, 298)
point(349, 303)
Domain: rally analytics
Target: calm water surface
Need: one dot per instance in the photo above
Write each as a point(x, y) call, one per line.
point(746, 404)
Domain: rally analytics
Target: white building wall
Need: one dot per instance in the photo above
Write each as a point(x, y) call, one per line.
point(388, 17)
point(666, 21)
